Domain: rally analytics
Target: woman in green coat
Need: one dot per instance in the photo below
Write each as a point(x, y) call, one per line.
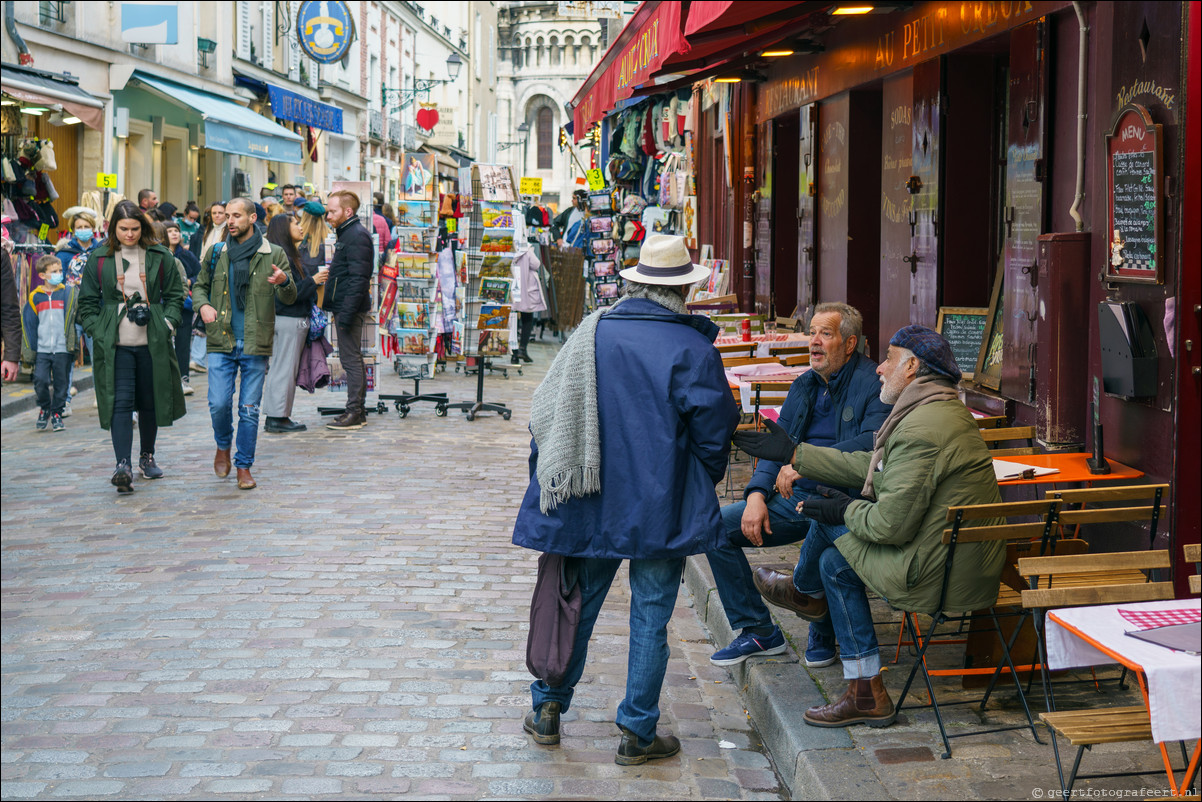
point(130, 302)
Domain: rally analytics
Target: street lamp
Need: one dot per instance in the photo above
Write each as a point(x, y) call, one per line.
point(523, 132)
point(407, 96)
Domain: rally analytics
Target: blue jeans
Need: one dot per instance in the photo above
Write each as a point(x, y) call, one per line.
point(199, 355)
point(653, 588)
point(821, 567)
point(732, 573)
point(223, 370)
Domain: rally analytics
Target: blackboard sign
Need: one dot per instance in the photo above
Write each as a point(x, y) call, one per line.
point(1135, 180)
point(964, 329)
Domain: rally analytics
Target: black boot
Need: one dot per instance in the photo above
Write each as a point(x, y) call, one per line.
point(525, 356)
point(543, 723)
point(631, 753)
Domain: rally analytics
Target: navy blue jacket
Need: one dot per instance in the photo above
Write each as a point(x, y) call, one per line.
point(666, 417)
point(855, 400)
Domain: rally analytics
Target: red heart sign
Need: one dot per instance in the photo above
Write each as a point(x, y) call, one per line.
point(427, 119)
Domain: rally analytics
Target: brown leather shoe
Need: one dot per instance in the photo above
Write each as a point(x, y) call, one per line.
point(221, 463)
point(864, 702)
point(777, 587)
point(245, 480)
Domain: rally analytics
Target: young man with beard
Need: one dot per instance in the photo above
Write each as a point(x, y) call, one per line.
point(235, 295)
point(927, 456)
point(836, 404)
point(348, 297)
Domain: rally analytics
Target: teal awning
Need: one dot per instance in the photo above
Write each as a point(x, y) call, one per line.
point(228, 127)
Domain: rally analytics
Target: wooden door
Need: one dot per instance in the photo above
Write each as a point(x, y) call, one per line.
point(66, 180)
point(763, 221)
point(807, 227)
point(897, 146)
point(785, 265)
point(1026, 136)
point(925, 192)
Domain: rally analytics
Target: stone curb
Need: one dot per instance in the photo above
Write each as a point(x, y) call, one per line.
point(813, 762)
point(15, 406)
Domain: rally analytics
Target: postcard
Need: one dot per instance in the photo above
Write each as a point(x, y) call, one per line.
point(607, 290)
point(495, 290)
point(413, 341)
point(496, 215)
point(603, 268)
point(414, 265)
point(497, 240)
point(494, 342)
point(600, 225)
point(413, 315)
point(414, 213)
point(496, 183)
point(496, 266)
point(417, 178)
point(493, 316)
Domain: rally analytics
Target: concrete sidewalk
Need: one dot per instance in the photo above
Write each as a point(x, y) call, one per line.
point(17, 397)
point(902, 761)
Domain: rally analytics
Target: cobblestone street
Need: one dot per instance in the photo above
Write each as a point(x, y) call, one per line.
point(355, 626)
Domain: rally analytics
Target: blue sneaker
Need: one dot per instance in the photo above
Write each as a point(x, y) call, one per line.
point(747, 645)
point(820, 650)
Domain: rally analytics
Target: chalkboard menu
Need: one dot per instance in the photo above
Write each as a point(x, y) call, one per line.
point(964, 329)
point(1135, 198)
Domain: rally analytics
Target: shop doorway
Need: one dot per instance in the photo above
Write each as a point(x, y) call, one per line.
point(786, 158)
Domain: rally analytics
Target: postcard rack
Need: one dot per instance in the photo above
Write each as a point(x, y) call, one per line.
point(489, 254)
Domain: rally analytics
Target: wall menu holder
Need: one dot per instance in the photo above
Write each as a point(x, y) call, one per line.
point(964, 329)
point(1135, 197)
point(1128, 350)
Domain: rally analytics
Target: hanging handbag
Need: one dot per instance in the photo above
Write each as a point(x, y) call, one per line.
point(554, 618)
point(318, 320)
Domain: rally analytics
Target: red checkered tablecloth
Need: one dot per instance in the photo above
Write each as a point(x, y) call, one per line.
point(1153, 619)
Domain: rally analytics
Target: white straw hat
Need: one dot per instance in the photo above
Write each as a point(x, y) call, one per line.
point(665, 260)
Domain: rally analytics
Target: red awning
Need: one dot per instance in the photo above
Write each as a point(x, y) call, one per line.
point(653, 35)
point(719, 31)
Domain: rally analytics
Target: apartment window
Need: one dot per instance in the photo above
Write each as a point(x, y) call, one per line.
point(546, 138)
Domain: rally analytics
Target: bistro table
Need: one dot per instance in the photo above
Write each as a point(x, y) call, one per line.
point(1071, 467)
point(741, 377)
point(766, 341)
point(1170, 681)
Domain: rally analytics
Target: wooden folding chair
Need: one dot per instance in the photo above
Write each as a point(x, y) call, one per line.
point(788, 324)
point(795, 359)
point(991, 422)
point(737, 349)
point(1081, 580)
point(733, 324)
point(788, 350)
point(720, 304)
point(1113, 505)
point(736, 361)
point(1193, 554)
point(977, 523)
point(1002, 435)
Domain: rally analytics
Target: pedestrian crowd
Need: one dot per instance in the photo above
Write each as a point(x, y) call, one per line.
point(158, 292)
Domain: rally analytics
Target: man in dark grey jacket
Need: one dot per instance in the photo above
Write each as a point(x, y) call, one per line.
point(348, 297)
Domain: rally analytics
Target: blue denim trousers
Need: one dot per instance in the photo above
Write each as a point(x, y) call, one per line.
point(223, 371)
point(653, 588)
point(822, 567)
point(732, 573)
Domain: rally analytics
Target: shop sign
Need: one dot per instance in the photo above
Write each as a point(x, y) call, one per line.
point(530, 186)
point(866, 49)
point(150, 23)
point(106, 180)
point(288, 105)
point(596, 180)
point(1134, 155)
point(324, 29)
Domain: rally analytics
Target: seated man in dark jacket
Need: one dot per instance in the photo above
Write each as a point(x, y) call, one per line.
point(836, 404)
point(348, 297)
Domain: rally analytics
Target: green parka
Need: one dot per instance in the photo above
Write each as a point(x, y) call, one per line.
point(99, 299)
point(934, 459)
point(212, 287)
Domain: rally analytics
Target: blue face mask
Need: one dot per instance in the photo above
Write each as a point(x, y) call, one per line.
point(56, 279)
point(83, 234)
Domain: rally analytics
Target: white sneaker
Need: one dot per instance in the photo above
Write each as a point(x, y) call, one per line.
point(67, 409)
point(74, 390)
point(187, 387)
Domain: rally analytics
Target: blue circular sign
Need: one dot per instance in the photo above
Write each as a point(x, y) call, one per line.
point(325, 29)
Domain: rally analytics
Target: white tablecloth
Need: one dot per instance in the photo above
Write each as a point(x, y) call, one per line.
point(1174, 678)
point(743, 375)
point(766, 341)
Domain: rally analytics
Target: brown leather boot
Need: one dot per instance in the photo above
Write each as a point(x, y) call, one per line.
point(777, 587)
point(245, 480)
point(864, 702)
point(221, 463)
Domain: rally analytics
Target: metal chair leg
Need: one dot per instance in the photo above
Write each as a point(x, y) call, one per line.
point(1018, 686)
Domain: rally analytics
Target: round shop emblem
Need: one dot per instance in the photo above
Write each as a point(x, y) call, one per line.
point(325, 29)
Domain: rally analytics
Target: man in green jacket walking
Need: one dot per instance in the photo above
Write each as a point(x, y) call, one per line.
point(927, 456)
point(235, 294)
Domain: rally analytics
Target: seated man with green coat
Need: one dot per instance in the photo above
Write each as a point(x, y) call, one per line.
point(927, 456)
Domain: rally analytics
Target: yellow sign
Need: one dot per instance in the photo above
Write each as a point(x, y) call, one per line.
point(596, 180)
point(530, 186)
point(106, 180)
point(43, 232)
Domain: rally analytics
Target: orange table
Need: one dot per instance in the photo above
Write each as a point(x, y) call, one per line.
point(1072, 468)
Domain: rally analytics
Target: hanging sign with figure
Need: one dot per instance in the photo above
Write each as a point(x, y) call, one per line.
point(325, 29)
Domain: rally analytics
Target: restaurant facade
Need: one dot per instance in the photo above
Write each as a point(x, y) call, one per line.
point(1034, 161)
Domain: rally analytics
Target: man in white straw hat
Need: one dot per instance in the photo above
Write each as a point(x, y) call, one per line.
point(632, 428)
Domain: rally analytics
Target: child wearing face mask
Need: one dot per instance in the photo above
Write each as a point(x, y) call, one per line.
point(49, 341)
point(72, 250)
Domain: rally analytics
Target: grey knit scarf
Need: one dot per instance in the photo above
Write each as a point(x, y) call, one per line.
point(563, 415)
point(923, 390)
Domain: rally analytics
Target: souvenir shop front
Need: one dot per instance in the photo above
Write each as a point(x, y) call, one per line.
point(49, 139)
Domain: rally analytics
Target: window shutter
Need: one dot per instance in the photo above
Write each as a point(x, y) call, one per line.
point(243, 51)
point(475, 54)
point(268, 35)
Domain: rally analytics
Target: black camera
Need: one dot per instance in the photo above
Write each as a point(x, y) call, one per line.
point(136, 311)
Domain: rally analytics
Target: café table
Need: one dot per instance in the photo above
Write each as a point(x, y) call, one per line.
point(766, 341)
point(741, 378)
point(1170, 681)
point(1070, 467)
